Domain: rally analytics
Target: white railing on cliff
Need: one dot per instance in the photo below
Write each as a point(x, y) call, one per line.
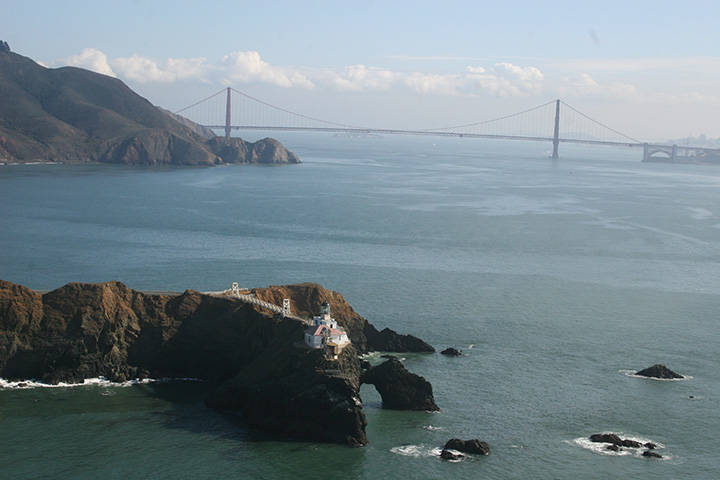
point(235, 290)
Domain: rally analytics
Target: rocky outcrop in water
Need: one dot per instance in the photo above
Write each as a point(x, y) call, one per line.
point(446, 454)
point(400, 389)
point(237, 150)
point(452, 352)
point(297, 393)
point(617, 444)
point(387, 340)
point(613, 439)
point(257, 358)
point(659, 371)
point(473, 446)
point(650, 454)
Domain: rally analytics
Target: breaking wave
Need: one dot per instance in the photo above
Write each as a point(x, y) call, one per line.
point(99, 381)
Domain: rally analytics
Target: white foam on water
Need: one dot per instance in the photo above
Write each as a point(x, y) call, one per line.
point(699, 213)
point(416, 451)
point(430, 427)
point(601, 447)
point(410, 450)
point(98, 381)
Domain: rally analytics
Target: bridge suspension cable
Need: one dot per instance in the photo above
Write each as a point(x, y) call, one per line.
point(299, 115)
point(536, 124)
point(599, 123)
point(198, 103)
point(485, 122)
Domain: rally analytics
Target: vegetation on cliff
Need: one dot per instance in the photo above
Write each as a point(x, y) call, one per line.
point(72, 115)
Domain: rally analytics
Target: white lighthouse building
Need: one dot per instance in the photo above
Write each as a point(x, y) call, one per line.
point(325, 332)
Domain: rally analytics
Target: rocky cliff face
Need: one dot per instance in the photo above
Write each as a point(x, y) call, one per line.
point(263, 370)
point(306, 297)
point(236, 150)
point(400, 389)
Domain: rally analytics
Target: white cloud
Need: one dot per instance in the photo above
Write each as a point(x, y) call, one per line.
point(506, 79)
point(434, 84)
point(142, 69)
point(90, 59)
point(501, 79)
point(584, 85)
point(248, 67)
point(361, 78)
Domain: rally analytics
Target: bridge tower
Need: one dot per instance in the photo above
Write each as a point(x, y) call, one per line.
point(556, 133)
point(227, 115)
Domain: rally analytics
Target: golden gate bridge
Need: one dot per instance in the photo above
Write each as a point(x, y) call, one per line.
point(554, 122)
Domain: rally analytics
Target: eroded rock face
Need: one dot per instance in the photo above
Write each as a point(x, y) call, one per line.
point(400, 389)
point(296, 394)
point(237, 150)
point(659, 371)
point(305, 299)
point(157, 147)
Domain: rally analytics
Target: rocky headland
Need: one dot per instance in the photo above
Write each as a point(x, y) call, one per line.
point(256, 358)
point(72, 115)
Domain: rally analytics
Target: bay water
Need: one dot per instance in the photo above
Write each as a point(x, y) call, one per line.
point(557, 279)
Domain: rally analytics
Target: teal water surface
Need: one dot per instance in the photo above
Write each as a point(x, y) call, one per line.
point(556, 278)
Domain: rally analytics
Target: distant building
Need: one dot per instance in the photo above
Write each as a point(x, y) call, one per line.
point(325, 333)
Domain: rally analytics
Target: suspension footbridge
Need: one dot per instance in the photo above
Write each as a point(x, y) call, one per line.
point(554, 122)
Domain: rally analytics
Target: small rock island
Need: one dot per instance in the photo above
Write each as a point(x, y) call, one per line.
point(659, 371)
point(266, 363)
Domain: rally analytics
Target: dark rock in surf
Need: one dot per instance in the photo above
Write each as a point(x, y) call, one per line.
point(649, 454)
point(468, 446)
point(614, 440)
point(287, 393)
point(400, 389)
point(388, 340)
point(448, 455)
point(659, 371)
point(452, 352)
point(606, 438)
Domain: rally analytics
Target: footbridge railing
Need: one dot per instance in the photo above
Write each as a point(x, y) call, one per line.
point(283, 310)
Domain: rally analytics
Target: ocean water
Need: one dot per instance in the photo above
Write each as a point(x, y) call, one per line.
point(556, 278)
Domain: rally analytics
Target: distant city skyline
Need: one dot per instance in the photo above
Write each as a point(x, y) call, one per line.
point(649, 69)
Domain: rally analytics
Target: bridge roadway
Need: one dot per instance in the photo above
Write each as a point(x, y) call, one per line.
point(380, 131)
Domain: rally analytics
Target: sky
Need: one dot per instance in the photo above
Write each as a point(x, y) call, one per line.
point(649, 69)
